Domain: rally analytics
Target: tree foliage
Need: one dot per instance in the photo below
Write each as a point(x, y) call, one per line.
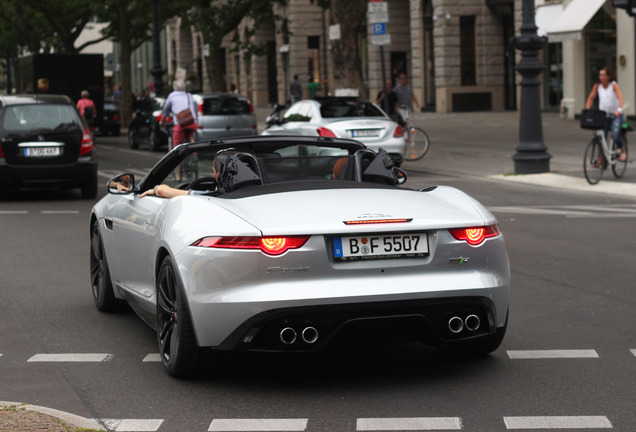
point(217, 18)
point(346, 52)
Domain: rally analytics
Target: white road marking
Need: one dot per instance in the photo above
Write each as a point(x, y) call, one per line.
point(70, 358)
point(155, 357)
point(632, 350)
point(132, 425)
point(580, 211)
point(558, 422)
point(112, 173)
point(409, 424)
point(551, 354)
point(59, 212)
point(13, 212)
point(259, 425)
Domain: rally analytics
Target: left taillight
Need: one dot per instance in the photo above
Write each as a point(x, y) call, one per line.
point(270, 245)
point(87, 143)
point(324, 132)
point(1, 152)
point(475, 235)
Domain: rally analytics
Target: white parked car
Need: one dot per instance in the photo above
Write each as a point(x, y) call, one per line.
point(344, 117)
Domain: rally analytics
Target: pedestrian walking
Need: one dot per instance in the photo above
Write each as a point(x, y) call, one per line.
point(391, 97)
point(86, 107)
point(296, 89)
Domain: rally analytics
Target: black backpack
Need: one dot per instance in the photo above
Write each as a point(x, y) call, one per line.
point(88, 113)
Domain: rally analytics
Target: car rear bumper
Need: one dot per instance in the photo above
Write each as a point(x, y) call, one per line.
point(73, 175)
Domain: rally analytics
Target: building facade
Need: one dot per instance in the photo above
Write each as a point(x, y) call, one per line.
point(458, 54)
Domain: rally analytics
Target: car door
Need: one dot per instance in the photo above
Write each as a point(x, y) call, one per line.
point(135, 234)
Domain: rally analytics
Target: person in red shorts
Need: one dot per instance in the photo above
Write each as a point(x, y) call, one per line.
point(178, 101)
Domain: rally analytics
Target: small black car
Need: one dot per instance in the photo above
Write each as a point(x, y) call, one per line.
point(111, 122)
point(145, 125)
point(45, 142)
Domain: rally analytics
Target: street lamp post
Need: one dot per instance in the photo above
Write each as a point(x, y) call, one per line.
point(532, 156)
point(157, 70)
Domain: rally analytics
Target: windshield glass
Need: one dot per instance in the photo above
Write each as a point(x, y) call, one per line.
point(40, 118)
point(348, 108)
point(288, 163)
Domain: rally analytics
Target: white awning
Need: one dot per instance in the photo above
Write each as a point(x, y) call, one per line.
point(545, 17)
point(573, 20)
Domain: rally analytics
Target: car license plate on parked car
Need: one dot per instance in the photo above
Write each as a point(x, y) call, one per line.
point(41, 151)
point(364, 133)
point(380, 246)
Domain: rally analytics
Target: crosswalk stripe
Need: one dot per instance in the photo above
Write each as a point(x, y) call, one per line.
point(132, 425)
point(13, 212)
point(257, 425)
point(633, 351)
point(558, 422)
point(153, 357)
point(70, 358)
point(549, 354)
point(409, 424)
point(50, 212)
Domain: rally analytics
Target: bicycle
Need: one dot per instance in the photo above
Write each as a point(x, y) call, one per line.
point(417, 141)
point(601, 152)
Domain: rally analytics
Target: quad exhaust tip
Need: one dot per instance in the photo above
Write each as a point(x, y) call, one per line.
point(288, 335)
point(310, 335)
point(457, 325)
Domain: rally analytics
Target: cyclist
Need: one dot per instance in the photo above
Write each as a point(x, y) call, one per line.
point(405, 95)
point(610, 101)
point(180, 100)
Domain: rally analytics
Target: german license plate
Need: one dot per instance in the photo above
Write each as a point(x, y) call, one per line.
point(363, 133)
point(41, 151)
point(380, 246)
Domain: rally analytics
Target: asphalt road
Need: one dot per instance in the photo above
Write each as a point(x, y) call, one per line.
point(571, 256)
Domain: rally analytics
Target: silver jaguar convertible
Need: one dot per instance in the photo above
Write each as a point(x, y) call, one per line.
point(292, 244)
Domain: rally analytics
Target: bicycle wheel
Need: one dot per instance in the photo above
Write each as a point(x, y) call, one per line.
point(619, 167)
point(593, 162)
point(418, 144)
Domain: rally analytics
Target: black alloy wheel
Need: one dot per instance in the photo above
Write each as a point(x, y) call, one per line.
point(101, 283)
point(178, 348)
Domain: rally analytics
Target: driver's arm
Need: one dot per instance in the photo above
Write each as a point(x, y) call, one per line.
point(164, 191)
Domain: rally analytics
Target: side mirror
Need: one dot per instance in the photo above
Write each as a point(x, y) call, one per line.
point(400, 175)
point(122, 184)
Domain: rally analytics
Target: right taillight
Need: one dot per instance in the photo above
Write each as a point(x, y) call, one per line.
point(1, 152)
point(399, 132)
point(87, 143)
point(475, 235)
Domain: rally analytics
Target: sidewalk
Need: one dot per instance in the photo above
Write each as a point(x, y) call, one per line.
point(481, 144)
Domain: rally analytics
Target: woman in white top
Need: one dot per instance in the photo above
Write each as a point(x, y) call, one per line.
point(611, 101)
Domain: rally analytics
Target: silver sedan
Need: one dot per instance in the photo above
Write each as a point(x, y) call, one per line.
point(344, 117)
point(291, 243)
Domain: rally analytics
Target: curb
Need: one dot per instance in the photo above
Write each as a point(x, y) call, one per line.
point(68, 418)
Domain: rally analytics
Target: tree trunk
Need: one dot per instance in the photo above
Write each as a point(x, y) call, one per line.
point(216, 71)
point(345, 52)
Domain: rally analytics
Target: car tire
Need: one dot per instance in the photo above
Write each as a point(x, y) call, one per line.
point(178, 347)
point(101, 284)
point(133, 141)
point(154, 144)
point(89, 189)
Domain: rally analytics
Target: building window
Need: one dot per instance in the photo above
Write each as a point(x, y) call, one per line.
point(313, 62)
point(467, 50)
